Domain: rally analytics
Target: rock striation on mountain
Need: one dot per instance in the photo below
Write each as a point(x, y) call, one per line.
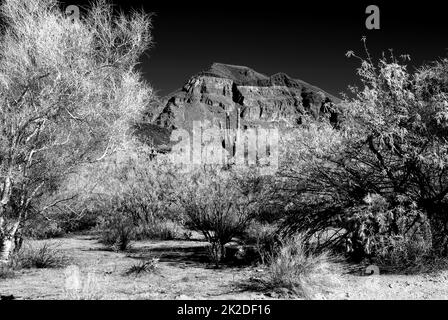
point(242, 96)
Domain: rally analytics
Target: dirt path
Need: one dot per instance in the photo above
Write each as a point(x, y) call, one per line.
point(183, 273)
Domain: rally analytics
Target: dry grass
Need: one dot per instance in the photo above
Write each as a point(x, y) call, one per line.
point(6, 272)
point(297, 271)
point(143, 267)
point(43, 256)
point(405, 256)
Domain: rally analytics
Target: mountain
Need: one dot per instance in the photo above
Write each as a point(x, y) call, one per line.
point(231, 96)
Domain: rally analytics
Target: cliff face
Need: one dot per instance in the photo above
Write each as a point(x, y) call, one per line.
point(229, 90)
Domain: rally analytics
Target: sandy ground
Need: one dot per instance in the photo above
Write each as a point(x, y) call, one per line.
point(184, 273)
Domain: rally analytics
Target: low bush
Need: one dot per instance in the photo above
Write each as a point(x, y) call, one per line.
point(143, 267)
point(219, 203)
point(83, 222)
point(6, 272)
point(135, 200)
point(117, 231)
point(301, 272)
point(396, 236)
point(43, 256)
point(263, 236)
point(42, 229)
point(159, 230)
point(403, 254)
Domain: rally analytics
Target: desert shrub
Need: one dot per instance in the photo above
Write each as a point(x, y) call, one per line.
point(143, 267)
point(42, 256)
point(219, 203)
point(135, 197)
point(390, 143)
point(264, 236)
point(59, 226)
point(136, 200)
point(187, 235)
point(403, 254)
point(43, 229)
point(159, 230)
point(117, 230)
point(78, 214)
point(86, 220)
point(299, 271)
point(376, 226)
point(6, 272)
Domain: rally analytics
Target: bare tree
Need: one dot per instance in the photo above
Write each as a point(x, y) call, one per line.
point(68, 93)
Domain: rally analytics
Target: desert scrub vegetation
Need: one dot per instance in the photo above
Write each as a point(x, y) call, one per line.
point(142, 267)
point(404, 255)
point(135, 199)
point(378, 177)
point(70, 94)
point(40, 256)
point(44, 255)
point(295, 269)
point(264, 237)
point(117, 231)
point(371, 185)
point(219, 203)
point(6, 272)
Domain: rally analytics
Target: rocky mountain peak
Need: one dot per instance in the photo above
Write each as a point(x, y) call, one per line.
point(227, 94)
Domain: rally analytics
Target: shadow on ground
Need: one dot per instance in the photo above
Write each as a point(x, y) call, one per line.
point(193, 255)
point(177, 253)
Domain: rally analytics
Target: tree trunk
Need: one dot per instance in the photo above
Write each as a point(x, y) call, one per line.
point(6, 240)
point(439, 237)
point(6, 247)
point(438, 221)
point(18, 242)
point(217, 252)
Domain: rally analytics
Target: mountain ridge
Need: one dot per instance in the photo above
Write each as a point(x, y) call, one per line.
point(219, 65)
point(228, 96)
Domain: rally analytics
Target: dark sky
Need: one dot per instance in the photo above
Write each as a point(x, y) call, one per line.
point(307, 40)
